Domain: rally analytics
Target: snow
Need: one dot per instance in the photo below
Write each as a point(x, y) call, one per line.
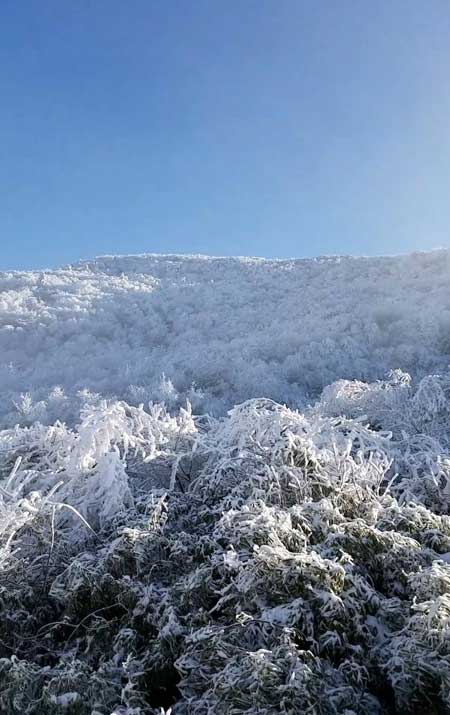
point(150, 327)
point(225, 486)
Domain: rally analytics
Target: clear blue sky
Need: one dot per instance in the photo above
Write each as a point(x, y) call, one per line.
point(249, 127)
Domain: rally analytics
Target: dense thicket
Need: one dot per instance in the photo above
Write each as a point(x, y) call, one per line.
point(267, 562)
point(214, 331)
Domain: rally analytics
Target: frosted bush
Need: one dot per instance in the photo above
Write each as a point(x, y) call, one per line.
point(155, 328)
point(270, 561)
point(196, 548)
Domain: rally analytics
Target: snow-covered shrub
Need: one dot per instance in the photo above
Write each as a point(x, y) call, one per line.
point(215, 331)
point(270, 561)
point(162, 556)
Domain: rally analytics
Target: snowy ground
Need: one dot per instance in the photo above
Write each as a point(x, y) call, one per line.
point(158, 552)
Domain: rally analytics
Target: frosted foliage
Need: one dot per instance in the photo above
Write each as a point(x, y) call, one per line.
point(161, 554)
point(154, 328)
point(270, 561)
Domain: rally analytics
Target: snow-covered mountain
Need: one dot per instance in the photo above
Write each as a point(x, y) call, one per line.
point(163, 554)
point(215, 330)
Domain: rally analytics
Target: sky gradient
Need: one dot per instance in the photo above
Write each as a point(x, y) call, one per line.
point(245, 127)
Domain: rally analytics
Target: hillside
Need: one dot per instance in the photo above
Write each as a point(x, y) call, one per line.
point(225, 487)
point(220, 330)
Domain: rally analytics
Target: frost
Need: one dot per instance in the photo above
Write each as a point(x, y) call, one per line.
point(262, 557)
point(154, 328)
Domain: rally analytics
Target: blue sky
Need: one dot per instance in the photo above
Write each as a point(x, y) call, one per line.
point(246, 127)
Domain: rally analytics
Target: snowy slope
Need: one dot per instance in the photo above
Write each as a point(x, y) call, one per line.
point(221, 330)
point(159, 559)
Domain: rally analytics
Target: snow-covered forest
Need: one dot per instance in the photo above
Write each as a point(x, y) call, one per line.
point(225, 487)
